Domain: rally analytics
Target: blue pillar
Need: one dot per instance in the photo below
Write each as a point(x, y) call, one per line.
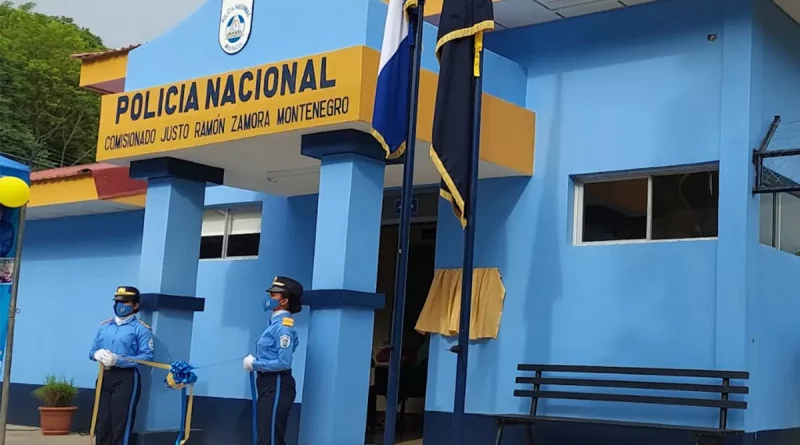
point(168, 281)
point(741, 129)
point(342, 299)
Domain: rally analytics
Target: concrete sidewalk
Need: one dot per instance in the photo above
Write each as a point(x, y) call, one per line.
point(20, 435)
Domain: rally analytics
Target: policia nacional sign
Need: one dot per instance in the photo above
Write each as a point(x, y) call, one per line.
point(309, 92)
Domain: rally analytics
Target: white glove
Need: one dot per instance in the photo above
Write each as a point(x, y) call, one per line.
point(248, 362)
point(106, 357)
point(101, 355)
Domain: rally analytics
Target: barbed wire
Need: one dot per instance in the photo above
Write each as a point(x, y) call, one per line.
point(782, 171)
point(787, 136)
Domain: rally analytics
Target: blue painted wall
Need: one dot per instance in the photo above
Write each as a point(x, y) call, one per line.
point(192, 50)
point(630, 89)
point(773, 334)
point(71, 266)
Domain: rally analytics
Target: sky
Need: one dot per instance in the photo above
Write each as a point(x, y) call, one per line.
point(122, 22)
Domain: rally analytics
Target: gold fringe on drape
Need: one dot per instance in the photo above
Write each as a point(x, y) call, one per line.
point(442, 309)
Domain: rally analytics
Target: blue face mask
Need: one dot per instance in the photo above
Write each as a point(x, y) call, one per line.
point(270, 304)
point(122, 310)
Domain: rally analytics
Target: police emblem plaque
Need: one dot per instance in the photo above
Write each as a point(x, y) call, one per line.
point(235, 25)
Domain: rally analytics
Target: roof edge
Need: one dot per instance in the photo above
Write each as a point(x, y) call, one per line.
point(100, 55)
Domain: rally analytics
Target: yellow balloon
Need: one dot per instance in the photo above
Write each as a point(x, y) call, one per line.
point(14, 192)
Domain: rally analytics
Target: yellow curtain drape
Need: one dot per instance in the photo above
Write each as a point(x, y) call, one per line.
point(442, 309)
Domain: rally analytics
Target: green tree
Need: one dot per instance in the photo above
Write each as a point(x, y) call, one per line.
point(46, 120)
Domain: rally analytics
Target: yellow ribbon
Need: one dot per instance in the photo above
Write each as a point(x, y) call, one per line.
point(170, 382)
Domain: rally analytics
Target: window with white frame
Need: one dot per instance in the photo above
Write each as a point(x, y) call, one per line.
point(231, 233)
point(778, 216)
point(682, 204)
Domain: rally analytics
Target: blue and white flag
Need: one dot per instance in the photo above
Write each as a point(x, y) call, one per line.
point(390, 116)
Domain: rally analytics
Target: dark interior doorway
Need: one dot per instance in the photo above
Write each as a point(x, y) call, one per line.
point(414, 370)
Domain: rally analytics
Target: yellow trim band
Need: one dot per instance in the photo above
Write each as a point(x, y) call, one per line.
point(451, 194)
point(476, 64)
point(486, 25)
point(389, 154)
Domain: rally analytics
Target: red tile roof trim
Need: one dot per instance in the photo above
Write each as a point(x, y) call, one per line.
point(91, 57)
point(112, 181)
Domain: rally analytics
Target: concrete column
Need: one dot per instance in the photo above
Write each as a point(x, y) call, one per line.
point(168, 282)
point(741, 129)
point(342, 299)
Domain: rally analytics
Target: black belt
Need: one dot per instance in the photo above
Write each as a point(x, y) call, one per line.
point(289, 372)
point(119, 369)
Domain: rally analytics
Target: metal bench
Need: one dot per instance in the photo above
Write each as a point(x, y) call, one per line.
point(564, 387)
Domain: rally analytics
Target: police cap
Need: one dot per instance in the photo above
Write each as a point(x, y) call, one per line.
point(291, 288)
point(127, 294)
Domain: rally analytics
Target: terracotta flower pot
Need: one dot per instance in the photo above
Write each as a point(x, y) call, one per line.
point(56, 421)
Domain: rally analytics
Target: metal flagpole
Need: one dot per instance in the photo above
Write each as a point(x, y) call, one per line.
point(469, 248)
point(401, 275)
point(12, 314)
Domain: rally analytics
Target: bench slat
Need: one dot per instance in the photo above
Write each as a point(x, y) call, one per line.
point(666, 372)
point(692, 387)
point(658, 400)
point(525, 419)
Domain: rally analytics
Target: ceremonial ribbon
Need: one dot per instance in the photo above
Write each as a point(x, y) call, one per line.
point(180, 375)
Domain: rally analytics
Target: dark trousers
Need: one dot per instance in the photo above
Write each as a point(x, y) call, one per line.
point(119, 398)
point(372, 407)
point(276, 392)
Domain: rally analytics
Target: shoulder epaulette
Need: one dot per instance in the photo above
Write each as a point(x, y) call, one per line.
point(107, 321)
point(145, 325)
point(288, 322)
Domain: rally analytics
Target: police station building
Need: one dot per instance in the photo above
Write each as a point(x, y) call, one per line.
point(616, 225)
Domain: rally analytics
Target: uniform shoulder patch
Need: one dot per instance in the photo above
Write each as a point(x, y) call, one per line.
point(285, 341)
point(288, 322)
point(145, 325)
point(107, 321)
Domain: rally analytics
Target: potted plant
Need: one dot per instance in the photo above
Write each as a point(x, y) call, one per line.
point(56, 413)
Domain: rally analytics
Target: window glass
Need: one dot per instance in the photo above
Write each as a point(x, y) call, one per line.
point(615, 210)
point(230, 233)
point(214, 222)
point(243, 245)
point(789, 223)
point(245, 221)
point(685, 205)
point(765, 219)
point(211, 247)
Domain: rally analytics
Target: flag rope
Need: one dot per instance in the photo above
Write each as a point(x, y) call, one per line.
point(180, 376)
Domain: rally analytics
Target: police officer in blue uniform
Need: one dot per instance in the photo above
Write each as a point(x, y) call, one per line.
point(273, 361)
point(123, 336)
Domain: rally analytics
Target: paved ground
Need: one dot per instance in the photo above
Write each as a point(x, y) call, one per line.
point(30, 436)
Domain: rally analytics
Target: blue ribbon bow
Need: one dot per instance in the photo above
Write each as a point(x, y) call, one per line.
point(180, 374)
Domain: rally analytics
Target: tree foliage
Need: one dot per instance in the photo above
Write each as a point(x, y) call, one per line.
point(46, 120)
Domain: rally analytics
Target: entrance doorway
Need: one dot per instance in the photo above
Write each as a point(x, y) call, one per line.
point(414, 369)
